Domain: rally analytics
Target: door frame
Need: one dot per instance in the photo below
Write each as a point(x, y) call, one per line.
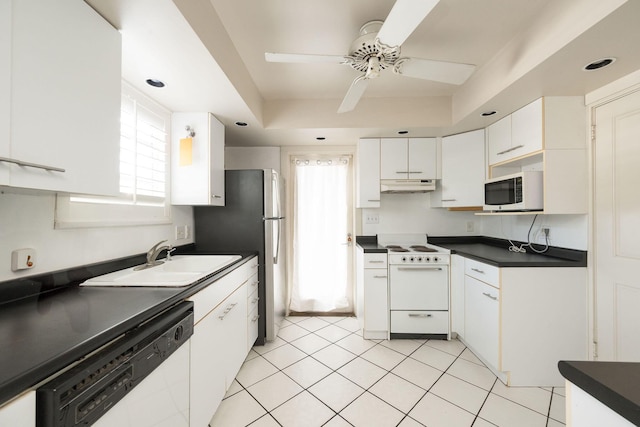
point(601, 96)
point(286, 155)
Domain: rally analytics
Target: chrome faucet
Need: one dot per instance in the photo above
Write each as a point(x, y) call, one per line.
point(153, 253)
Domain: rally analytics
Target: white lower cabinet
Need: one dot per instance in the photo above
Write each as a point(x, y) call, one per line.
point(521, 321)
point(483, 313)
point(20, 412)
point(219, 342)
point(372, 307)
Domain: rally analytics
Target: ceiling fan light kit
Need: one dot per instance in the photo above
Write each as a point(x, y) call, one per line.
point(378, 48)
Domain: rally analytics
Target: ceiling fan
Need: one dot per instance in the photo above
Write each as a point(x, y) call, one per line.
point(378, 48)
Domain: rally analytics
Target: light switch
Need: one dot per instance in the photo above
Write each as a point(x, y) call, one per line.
point(23, 259)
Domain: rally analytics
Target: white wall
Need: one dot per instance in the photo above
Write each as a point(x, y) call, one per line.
point(252, 158)
point(566, 231)
point(26, 221)
point(412, 213)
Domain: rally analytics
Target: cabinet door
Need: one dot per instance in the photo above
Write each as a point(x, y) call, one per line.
point(5, 88)
point(457, 295)
point(65, 99)
point(422, 158)
point(482, 315)
point(463, 169)
point(499, 140)
point(20, 412)
point(376, 310)
point(216, 166)
point(207, 379)
point(368, 175)
point(235, 333)
point(526, 129)
point(394, 156)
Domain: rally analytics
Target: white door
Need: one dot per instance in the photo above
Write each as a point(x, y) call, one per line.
point(322, 235)
point(617, 228)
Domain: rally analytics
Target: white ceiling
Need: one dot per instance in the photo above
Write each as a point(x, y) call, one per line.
point(210, 53)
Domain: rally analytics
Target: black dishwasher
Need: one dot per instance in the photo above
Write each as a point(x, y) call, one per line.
point(84, 393)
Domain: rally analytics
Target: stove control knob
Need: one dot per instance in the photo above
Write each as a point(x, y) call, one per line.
point(419, 259)
point(412, 259)
point(404, 259)
point(427, 259)
point(436, 259)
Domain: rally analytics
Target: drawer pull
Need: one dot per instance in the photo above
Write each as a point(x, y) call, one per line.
point(420, 315)
point(448, 200)
point(255, 318)
point(510, 149)
point(477, 271)
point(227, 310)
point(379, 277)
point(375, 262)
point(487, 294)
point(373, 200)
point(255, 300)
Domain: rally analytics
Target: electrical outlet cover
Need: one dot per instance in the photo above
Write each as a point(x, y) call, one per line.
point(23, 259)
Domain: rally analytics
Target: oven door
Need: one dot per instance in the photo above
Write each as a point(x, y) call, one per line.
point(419, 287)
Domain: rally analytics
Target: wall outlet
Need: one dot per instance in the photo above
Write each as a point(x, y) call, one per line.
point(181, 232)
point(23, 259)
point(545, 232)
point(470, 226)
point(372, 218)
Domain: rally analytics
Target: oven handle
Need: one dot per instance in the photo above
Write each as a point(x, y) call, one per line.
point(418, 267)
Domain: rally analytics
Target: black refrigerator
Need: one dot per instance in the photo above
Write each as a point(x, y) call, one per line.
point(251, 220)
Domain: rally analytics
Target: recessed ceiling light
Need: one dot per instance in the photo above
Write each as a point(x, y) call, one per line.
point(241, 124)
point(597, 64)
point(321, 138)
point(488, 113)
point(155, 83)
point(403, 132)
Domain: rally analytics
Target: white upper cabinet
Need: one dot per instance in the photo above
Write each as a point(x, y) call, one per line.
point(64, 104)
point(463, 169)
point(499, 139)
point(408, 158)
point(5, 88)
point(368, 173)
point(517, 135)
point(197, 163)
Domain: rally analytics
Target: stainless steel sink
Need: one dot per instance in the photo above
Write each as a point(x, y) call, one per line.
point(181, 271)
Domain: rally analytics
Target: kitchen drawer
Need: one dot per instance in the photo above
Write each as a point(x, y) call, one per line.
point(481, 271)
point(252, 301)
point(252, 328)
point(375, 260)
point(420, 322)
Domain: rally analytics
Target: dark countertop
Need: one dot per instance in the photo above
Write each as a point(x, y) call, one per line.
point(615, 384)
point(493, 251)
point(43, 333)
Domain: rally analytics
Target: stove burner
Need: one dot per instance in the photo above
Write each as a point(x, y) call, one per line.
point(422, 248)
point(398, 249)
point(393, 247)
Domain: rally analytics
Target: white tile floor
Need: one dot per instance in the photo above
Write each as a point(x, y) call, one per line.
point(321, 372)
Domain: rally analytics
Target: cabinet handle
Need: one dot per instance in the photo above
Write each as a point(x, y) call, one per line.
point(510, 149)
point(420, 315)
point(31, 165)
point(402, 171)
point(419, 267)
point(414, 172)
point(379, 277)
point(477, 271)
point(373, 200)
point(487, 294)
point(256, 317)
point(376, 262)
point(448, 200)
point(227, 310)
point(215, 196)
point(255, 300)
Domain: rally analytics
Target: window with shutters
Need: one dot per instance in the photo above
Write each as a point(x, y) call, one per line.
point(144, 172)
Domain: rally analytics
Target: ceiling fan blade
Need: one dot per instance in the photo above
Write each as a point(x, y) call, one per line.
point(403, 19)
point(304, 58)
point(439, 71)
point(354, 94)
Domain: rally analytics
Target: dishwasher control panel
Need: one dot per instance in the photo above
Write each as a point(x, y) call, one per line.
point(81, 395)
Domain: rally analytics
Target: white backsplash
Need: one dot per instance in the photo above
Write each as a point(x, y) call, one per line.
point(412, 213)
point(26, 221)
point(566, 231)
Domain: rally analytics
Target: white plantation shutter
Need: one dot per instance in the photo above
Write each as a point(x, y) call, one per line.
point(144, 178)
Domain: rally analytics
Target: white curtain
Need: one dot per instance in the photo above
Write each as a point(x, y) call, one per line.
point(320, 255)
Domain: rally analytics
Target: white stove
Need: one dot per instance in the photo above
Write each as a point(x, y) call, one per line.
point(418, 287)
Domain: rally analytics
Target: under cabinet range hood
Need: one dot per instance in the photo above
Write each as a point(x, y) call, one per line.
point(407, 185)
